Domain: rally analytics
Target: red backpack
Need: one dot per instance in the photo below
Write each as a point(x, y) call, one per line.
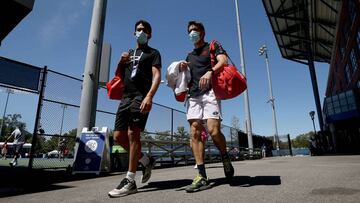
point(228, 82)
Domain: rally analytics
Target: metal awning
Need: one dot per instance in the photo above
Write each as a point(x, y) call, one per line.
point(11, 13)
point(301, 24)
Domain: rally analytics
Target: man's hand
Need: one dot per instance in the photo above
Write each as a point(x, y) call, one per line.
point(183, 65)
point(146, 104)
point(205, 80)
point(125, 56)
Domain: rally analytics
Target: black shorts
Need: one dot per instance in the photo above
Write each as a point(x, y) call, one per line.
point(128, 114)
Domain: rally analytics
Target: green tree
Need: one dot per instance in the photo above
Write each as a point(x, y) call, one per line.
point(181, 134)
point(12, 121)
point(302, 140)
point(70, 140)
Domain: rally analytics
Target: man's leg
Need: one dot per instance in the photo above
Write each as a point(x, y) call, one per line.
point(198, 147)
point(127, 140)
point(196, 142)
point(216, 135)
point(135, 148)
point(219, 141)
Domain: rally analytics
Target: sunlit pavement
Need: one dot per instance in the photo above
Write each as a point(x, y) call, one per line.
point(279, 179)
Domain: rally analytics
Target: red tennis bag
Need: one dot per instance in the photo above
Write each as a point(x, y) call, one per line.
point(228, 82)
point(115, 87)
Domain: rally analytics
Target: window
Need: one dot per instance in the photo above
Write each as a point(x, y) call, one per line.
point(353, 60)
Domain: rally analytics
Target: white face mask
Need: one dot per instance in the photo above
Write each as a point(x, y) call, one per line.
point(141, 37)
point(194, 36)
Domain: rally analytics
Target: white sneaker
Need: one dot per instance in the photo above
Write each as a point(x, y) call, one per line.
point(126, 187)
point(195, 167)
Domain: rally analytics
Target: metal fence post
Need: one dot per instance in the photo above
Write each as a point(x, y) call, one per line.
point(38, 116)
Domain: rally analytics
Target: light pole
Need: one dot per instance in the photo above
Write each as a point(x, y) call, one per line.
point(8, 91)
point(263, 51)
point(248, 127)
point(312, 116)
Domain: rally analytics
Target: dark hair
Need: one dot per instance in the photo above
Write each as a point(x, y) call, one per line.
point(197, 24)
point(146, 25)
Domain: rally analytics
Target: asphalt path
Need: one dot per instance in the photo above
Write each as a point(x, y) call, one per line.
point(277, 179)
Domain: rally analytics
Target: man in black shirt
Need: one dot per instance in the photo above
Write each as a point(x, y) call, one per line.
point(202, 104)
point(140, 70)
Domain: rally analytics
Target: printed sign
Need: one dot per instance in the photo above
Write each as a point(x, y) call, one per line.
point(90, 151)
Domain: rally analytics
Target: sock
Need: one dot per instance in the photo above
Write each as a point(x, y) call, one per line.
point(144, 160)
point(201, 169)
point(130, 175)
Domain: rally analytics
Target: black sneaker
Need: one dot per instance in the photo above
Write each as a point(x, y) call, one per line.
point(146, 170)
point(199, 183)
point(228, 168)
point(126, 187)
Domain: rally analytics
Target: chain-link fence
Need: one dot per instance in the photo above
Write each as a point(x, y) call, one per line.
point(284, 146)
point(59, 116)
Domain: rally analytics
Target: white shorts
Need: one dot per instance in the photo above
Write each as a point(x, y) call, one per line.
point(203, 107)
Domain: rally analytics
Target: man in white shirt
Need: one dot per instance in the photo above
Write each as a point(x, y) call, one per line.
point(19, 140)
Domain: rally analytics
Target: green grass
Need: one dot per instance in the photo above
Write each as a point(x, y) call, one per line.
point(40, 162)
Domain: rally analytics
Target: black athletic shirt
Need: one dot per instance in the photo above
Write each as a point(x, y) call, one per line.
point(141, 83)
point(200, 63)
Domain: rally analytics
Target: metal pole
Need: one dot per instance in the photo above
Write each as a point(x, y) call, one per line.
point(34, 141)
point(62, 118)
point(272, 101)
point(316, 92)
point(6, 103)
point(246, 96)
point(313, 125)
point(89, 93)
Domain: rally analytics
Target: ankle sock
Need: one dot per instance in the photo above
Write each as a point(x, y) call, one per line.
point(201, 169)
point(130, 175)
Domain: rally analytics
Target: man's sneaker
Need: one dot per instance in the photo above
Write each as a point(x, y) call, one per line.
point(146, 170)
point(126, 187)
point(228, 169)
point(199, 183)
point(13, 163)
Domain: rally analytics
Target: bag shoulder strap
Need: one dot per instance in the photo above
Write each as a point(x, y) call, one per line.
point(212, 52)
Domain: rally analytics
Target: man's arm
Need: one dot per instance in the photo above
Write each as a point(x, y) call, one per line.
point(124, 57)
point(206, 78)
point(11, 135)
point(146, 104)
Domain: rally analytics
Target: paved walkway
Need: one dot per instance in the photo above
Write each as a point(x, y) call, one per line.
point(278, 179)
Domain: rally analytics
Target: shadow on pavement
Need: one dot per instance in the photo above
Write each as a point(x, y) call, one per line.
point(237, 181)
point(166, 185)
point(20, 180)
point(247, 181)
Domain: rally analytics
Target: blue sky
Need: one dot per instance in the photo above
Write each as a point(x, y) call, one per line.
point(56, 33)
